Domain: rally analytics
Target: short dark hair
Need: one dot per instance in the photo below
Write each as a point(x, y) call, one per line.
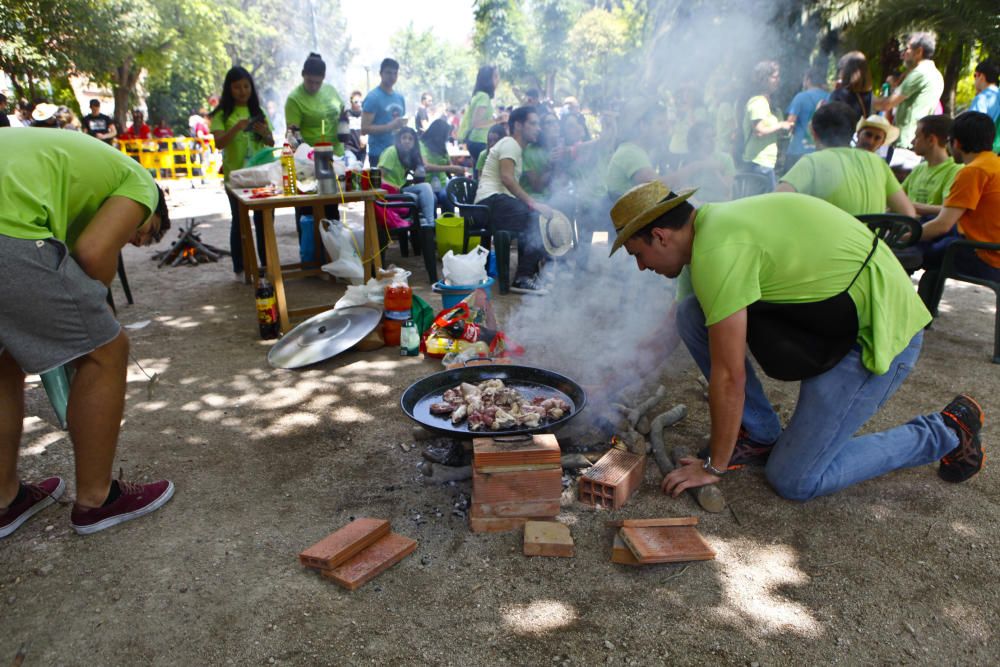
point(314, 65)
point(675, 218)
point(356, 93)
point(426, 96)
point(834, 124)
point(990, 69)
point(388, 63)
point(95, 103)
point(3, 99)
point(926, 41)
point(763, 71)
point(499, 130)
point(975, 131)
point(520, 115)
point(532, 92)
point(816, 75)
point(935, 126)
point(163, 212)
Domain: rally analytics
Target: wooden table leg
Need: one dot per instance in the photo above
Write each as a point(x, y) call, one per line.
point(250, 272)
point(372, 253)
point(274, 269)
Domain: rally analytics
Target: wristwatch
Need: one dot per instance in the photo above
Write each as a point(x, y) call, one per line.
point(708, 467)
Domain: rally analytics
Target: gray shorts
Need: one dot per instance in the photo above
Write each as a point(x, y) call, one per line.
point(51, 312)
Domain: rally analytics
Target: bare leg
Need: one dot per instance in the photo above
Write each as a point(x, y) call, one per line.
point(94, 413)
point(11, 422)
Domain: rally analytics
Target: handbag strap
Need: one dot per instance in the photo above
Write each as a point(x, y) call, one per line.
point(865, 263)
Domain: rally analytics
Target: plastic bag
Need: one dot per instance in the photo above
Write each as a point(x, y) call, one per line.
point(342, 248)
point(305, 168)
point(256, 177)
point(468, 269)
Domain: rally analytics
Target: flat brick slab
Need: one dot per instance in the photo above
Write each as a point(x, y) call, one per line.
point(341, 545)
point(620, 553)
point(612, 480)
point(547, 538)
point(371, 562)
point(652, 523)
point(516, 486)
point(539, 449)
point(666, 544)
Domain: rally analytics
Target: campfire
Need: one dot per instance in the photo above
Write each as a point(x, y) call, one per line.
point(189, 249)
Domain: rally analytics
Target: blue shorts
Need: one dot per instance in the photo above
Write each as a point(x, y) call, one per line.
point(53, 312)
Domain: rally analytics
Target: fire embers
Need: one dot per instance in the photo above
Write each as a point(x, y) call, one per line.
point(493, 406)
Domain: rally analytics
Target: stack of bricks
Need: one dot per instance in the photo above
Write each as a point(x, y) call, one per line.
point(667, 540)
point(357, 553)
point(514, 480)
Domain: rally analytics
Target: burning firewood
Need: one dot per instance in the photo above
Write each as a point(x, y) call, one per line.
point(189, 249)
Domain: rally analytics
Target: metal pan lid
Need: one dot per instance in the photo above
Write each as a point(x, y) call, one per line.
point(324, 336)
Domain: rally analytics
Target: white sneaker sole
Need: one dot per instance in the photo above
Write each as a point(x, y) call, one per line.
point(536, 292)
point(35, 509)
point(122, 518)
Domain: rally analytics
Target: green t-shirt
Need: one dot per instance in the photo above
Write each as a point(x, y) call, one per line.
point(393, 171)
point(760, 150)
point(244, 145)
point(436, 159)
point(712, 181)
point(851, 179)
point(791, 248)
point(536, 160)
point(308, 113)
point(481, 162)
point(52, 182)
point(923, 87)
point(626, 161)
point(479, 100)
point(930, 185)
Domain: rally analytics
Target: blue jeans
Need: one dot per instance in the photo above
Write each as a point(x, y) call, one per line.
point(765, 171)
point(816, 454)
point(423, 194)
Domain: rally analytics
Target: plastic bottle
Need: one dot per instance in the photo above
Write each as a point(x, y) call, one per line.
point(398, 302)
point(409, 340)
point(267, 310)
point(470, 332)
point(288, 180)
point(391, 331)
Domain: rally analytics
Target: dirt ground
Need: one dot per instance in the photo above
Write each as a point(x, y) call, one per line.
point(899, 570)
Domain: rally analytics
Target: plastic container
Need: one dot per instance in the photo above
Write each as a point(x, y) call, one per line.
point(448, 233)
point(288, 176)
point(391, 331)
point(398, 302)
point(451, 295)
point(326, 177)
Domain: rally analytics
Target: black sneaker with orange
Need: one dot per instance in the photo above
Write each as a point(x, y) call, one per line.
point(747, 452)
point(965, 417)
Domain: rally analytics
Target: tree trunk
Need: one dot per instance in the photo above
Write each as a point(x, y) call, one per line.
point(951, 74)
point(126, 76)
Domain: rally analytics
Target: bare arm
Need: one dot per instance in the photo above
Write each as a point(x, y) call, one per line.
point(767, 127)
point(784, 186)
point(368, 125)
point(899, 203)
point(510, 182)
point(886, 103)
point(109, 230)
point(726, 394)
point(939, 226)
point(224, 138)
point(927, 209)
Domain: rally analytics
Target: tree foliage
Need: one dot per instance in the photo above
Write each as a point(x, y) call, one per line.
point(430, 64)
point(500, 35)
point(600, 41)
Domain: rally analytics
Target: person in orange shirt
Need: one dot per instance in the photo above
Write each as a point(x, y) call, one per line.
point(972, 207)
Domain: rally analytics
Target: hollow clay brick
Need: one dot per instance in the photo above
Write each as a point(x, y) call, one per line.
point(547, 538)
point(612, 480)
point(341, 545)
point(371, 562)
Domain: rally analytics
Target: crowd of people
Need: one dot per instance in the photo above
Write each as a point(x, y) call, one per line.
point(670, 181)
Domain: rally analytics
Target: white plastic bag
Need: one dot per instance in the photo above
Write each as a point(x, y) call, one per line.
point(305, 168)
point(356, 295)
point(256, 177)
point(342, 248)
point(468, 269)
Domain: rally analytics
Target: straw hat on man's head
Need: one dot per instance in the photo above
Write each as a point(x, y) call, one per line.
point(879, 123)
point(640, 206)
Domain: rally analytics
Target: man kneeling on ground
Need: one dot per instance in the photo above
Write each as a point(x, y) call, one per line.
point(819, 299)
point(511, 208)
point(68, 204)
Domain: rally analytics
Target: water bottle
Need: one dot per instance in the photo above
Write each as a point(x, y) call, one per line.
point(288, 180)
point(409, 340)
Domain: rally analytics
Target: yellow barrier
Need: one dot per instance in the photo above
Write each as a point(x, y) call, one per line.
point(182, 158)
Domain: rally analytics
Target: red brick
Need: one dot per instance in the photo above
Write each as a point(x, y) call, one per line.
point(516, 486)
point(539, 449)
point(652, 523)
point(547, 538)
point(339, 546)
point(532, 508)
point(620, 553)
point(666, 544)
point(612, 480)
point(371, 562)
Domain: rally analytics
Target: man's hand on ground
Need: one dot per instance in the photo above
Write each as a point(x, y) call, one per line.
point(689, 476)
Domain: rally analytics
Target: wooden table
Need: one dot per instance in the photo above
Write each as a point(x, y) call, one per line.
point(277, 273)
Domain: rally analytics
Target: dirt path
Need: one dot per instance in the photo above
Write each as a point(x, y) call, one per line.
point(897, 570)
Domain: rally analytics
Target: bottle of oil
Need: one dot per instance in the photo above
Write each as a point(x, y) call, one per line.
point(288, 171)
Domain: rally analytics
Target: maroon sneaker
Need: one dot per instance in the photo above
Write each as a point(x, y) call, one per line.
point(747, 452)
point(965, 417)
point(134, 501)
point(31, 499)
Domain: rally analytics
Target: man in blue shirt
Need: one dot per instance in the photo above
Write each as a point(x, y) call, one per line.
point(987, 99)
point(801, 111)
point(383, 112)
